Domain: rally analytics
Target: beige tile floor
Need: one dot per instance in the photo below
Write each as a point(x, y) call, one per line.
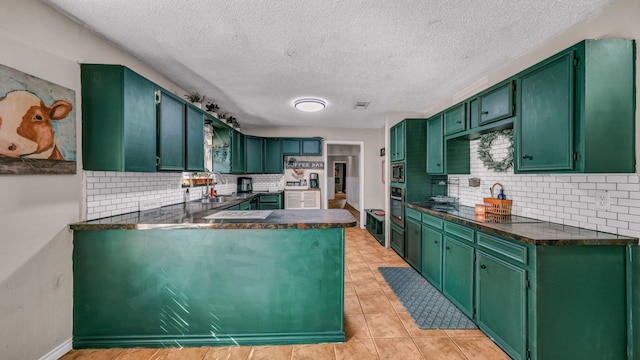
point(377, 326)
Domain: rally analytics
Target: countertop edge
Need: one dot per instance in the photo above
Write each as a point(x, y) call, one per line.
point(499, 230)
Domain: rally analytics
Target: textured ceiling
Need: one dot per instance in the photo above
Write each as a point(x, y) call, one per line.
point(253, 58)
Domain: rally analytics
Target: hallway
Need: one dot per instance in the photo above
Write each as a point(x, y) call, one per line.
point(377, 326)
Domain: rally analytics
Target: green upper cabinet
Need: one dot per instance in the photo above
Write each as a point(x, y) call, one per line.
point(435, 146)
point(545, 125)
point(273, 158)
point(254, 154)
point(302, 146)
point(238, 164)
point(502, 302)
point(396, 142)
point(171, 132)
point(118, 119)
point(455, 119)
point(221, 150)
point(194, 140)
point(576, 110)
point(312, 147)
point(496, 104)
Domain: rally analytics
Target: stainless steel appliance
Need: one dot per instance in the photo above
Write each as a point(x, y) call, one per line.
point(313, 181)
point(397, 205)
point(245, 184)
point(397, 172)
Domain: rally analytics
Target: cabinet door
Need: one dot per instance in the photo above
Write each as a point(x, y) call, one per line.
point(238, 165)
point(171, 133)
point(544, 128)
point(291, 146)
point(311, 147)
point(293, 199)
point(253, 204)
point(435, 146)
point(457, 282)
point(254, 154)
point(496, 104)
point(432, 256)
point(502, 303)
point(195, 140)
point(397, 239)
point(273, 158)
point(455, 119)
point(311, 199)
point(139, 123)
point(245, 205)
point(397, 142)
point(414, 247)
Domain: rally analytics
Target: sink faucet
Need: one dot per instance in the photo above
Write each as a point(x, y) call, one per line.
point(212, 175)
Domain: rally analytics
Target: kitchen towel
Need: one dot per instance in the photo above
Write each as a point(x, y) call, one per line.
point(428, 308)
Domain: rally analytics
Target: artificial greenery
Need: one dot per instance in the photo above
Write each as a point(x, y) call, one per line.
point(484, 151)
point(194, 97)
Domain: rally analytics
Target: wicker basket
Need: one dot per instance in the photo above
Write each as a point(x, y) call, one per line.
point(497, 206)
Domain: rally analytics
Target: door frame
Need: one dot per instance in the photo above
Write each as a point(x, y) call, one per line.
point(325, 196)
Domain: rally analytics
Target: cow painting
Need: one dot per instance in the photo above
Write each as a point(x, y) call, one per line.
point(25, 125)
point(37, 125)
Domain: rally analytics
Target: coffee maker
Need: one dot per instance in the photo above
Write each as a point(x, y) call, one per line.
point(313, 181)
point(245, 184)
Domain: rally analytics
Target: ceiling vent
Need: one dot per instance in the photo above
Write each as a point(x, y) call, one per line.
point(361, 105)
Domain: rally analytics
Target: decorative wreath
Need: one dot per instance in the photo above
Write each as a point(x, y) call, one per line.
point(484, 151)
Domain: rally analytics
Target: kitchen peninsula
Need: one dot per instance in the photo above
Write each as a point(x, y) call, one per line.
point(171, 277)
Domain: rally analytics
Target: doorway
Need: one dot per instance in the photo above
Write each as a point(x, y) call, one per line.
point(350, 156)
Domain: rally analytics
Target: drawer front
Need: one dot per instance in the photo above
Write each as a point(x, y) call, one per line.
point(412, 214)
point(504, 247)
point(460, 231)
point(432, 221)
point(269, 198)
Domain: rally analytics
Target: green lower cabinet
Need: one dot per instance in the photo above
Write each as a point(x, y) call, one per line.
point(457, 276)
point(270, 202)
point(432, 256)
point(213, 287)
point(413, 251)
point(501, 303)
point(244, 205)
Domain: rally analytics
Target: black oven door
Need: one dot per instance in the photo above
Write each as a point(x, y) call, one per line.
point(397, 206)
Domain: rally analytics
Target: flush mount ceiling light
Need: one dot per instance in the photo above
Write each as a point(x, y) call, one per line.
point(309, 104)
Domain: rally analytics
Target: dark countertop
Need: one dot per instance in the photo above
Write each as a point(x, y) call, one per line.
point(191, 216)
point(527, 230)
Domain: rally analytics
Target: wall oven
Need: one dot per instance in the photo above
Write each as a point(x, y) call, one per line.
point(397, 172)
point(397, 205)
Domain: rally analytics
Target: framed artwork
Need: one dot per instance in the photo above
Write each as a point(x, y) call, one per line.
point(37, 125)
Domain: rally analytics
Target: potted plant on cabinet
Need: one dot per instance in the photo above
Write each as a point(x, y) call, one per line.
point(195, 98)
point(212, 109)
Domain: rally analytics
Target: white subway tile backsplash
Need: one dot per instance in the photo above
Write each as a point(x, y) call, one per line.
point(563, 198)
point(111, 193)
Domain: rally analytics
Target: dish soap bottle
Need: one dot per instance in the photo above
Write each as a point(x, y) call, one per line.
point(501, 195)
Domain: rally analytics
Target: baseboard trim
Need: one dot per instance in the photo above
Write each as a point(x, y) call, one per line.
point(154, 341)
point(58, 351)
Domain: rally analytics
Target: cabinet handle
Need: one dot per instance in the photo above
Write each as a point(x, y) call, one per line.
point(157, 160)
point(483, 266)
point(485, 113)
point(458, 122)
point(435, 242)
point(527, 157)
point(438, 164)
point(448, 248)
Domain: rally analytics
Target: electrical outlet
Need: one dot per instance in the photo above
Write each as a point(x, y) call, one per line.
point(602, 200)
point(148, 204)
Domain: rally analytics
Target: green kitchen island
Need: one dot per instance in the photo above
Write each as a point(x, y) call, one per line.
point(174, 278)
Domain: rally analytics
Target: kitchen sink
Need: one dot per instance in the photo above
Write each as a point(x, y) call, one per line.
point(218, 199)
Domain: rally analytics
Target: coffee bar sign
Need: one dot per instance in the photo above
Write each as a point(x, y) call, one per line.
point(304, 165)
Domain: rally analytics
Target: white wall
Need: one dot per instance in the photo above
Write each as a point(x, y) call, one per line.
point(35, 245)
